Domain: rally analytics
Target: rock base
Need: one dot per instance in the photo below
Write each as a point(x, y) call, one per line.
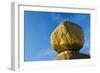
point(71, 55)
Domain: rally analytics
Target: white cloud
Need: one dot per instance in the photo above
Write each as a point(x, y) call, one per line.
point(45, 54)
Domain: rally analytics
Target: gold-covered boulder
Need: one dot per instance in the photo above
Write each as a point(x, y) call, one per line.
point(67, 36)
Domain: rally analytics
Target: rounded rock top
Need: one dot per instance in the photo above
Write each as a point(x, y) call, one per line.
point(67, 36)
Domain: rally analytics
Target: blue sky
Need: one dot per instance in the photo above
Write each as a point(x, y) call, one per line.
point(38, 27)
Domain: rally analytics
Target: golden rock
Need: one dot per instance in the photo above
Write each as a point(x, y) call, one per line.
point(67, 36)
